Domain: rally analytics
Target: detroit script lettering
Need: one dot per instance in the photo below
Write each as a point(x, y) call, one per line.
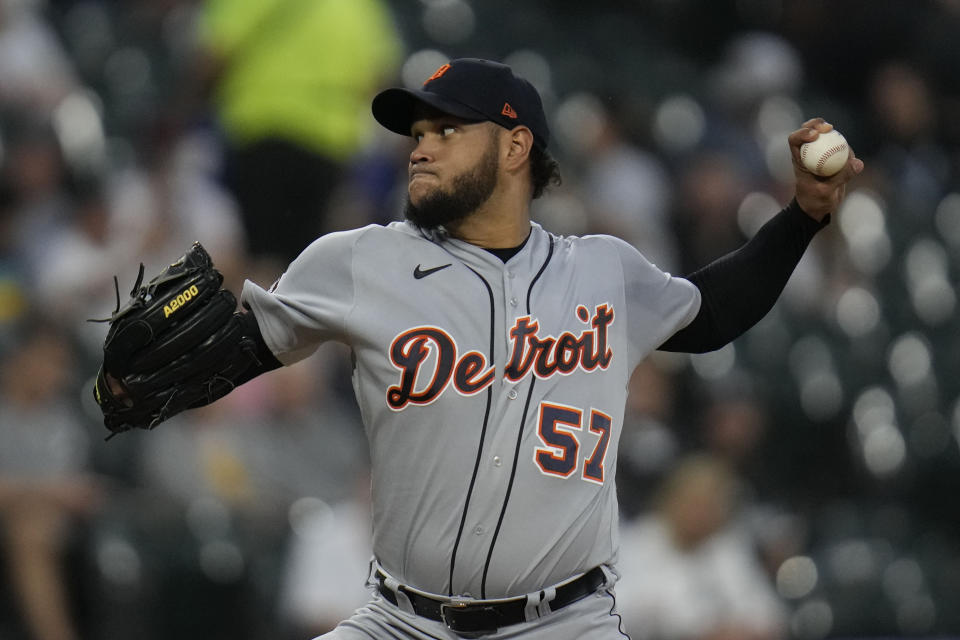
point(424, 379)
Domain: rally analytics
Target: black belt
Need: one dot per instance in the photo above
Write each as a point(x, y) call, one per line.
point(480, 618)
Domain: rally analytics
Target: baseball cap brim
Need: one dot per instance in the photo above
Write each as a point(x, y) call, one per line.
point(396, 108)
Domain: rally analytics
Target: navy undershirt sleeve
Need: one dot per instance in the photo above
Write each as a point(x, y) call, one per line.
point(738, 289)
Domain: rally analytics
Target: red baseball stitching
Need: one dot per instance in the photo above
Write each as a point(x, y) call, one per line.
point(829, 153)
point(826, 154)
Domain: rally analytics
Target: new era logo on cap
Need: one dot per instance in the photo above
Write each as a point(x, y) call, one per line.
point(472, 89)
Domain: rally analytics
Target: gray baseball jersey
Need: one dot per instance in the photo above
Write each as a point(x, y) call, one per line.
point(492, 393)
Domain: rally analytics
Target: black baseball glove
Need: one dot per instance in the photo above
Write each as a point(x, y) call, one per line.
point(175, 345)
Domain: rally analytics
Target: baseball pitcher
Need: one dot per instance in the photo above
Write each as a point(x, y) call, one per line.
point(491, 360)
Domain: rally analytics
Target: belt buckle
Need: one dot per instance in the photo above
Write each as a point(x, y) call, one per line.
point(449, 612)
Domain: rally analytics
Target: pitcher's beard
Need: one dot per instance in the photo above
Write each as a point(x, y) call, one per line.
point(467, 194)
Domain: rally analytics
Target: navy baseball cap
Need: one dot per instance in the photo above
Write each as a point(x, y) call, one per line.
point(471, 89)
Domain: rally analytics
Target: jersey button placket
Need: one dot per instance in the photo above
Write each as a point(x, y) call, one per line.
point(508, 288)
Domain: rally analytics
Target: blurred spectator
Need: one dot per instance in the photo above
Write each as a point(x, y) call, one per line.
point(45, 482)
point(710, 189)
point(917, 166)
point(752, 90)
point(290, 83)
point(36, 172)
point(329, 555)
point(149, 216)
point(35, 71)
point(626, 189)
point(734, 429)
point(13, 295)
point(79, 261)
point(688, 570)
point(36, 74)
point(649, 444)
point(733, 426)
point(754, 66)
point(236, 476)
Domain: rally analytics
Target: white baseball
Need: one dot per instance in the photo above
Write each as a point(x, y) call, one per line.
point(826, 155)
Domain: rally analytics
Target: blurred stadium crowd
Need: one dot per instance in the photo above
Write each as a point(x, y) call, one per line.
point(799, 483)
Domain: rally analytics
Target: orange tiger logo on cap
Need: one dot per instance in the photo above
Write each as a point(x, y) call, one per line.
point(439, 72)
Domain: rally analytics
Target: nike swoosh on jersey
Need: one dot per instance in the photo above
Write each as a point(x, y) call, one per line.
point(423, 273)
